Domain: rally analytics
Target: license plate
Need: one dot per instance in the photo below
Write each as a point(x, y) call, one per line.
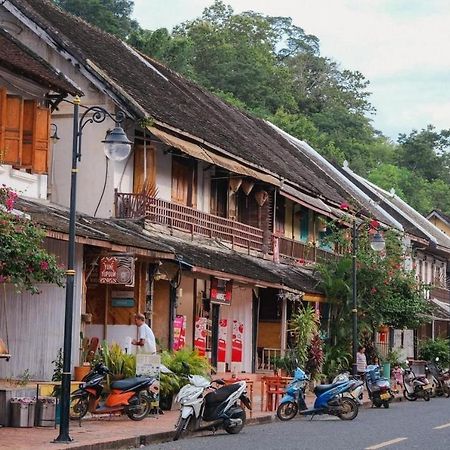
point(384, 396)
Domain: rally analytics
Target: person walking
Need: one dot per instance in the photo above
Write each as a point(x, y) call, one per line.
point(361, 361)
point(145, 341)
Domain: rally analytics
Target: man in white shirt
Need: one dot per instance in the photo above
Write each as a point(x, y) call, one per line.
point(146, 339)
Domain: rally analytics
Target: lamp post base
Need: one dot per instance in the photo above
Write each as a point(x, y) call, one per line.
point(62, 439)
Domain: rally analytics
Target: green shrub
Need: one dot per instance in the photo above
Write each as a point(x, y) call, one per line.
point(439, 347)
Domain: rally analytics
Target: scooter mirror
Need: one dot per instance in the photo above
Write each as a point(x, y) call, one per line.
point(186, 367)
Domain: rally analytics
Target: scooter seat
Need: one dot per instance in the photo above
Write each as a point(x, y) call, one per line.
point(129, 383)
point(326, 387)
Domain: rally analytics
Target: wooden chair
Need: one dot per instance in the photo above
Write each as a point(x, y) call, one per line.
point(273, 391)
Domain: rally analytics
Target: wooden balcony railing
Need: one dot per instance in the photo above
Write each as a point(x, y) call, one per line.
point(188, 219)
point(440, 293)
point(191, 220)
point(291, 248)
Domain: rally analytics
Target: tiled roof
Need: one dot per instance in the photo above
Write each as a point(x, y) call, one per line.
point(17, 58)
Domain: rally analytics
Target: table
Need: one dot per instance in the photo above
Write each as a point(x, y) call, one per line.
point(249, 388)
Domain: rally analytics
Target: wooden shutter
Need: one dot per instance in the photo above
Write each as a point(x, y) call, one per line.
point(13, 130)
point(41, 140)
point(144, 177)
point(183, 182)
point(29, 108)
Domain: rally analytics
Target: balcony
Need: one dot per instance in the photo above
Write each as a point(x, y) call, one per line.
point(194, 222)
point(296, 250)
point(190, 220)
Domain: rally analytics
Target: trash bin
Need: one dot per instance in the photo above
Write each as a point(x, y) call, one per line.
point(387, 370)
point(22, 411)
point(46, 412)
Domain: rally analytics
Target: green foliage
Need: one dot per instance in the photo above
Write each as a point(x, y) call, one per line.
point(336, 360)
point(112, 16)
point(120, 364)
point(303, 326)
point(439, 347)
point(198, 365)
point(393, 358)
point(58, 366)
point(23, 260)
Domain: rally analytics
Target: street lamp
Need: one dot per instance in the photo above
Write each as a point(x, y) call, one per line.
point(117, 148)
point(377, 244)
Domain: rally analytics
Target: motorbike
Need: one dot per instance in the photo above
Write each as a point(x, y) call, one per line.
point(331, 399)
point(378, 387)
point(219, 408)
point(356, 388)
point(415, 386)
point(131, 396)
point(440, 379)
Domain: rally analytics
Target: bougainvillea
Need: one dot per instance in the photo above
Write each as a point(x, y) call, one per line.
point(24, 262)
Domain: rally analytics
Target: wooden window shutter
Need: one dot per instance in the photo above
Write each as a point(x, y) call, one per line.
point(2, 124)
point(13, 130)
point(41, 140)
point(29, 108)
point(144, 177)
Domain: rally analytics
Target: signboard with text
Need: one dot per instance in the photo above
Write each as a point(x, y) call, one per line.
point(221, 291)
point(117, 269)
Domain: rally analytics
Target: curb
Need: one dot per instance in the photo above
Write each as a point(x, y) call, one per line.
point(146, 439)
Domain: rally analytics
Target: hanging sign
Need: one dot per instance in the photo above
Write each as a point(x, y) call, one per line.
point(221, 291)
point(222, 344)
point(179, 332)
point(201, 332)
point(118, 269)
point(236, 342)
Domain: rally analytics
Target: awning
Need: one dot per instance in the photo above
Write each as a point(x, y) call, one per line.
point(199, 152)
point(441, 310)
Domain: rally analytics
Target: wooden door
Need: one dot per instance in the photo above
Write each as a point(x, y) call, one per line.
point(144, 167)
point(183, 181)
point(12, 140)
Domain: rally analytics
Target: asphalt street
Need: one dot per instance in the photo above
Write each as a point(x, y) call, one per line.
point(405, 425)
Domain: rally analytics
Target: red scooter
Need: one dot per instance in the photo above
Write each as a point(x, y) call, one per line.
point(131, 396)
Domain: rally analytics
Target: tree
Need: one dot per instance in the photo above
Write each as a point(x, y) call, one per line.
point(112, 16)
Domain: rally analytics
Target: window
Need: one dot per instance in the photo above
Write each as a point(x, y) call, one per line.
point(184, 181)
point(24, 133)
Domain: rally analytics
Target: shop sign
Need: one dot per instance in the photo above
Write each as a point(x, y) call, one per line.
point(179, 332)
point(221, 291)
point(117, 269)
point(236, 342)
point(222, 344)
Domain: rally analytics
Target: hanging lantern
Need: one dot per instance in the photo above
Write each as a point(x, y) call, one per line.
point(247, 186)
point(235, 184)
point(261, 197)
point(322, 224)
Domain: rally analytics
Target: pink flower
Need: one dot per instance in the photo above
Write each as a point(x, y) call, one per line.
point(373, 290)
point(374, 224)
point(2, 279)
point(44, 265)
point(345, 206)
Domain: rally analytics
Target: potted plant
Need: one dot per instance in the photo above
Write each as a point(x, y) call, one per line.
point(84, 366)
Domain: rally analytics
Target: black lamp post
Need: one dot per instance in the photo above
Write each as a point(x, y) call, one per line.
point(377, 243)
point(117, 148)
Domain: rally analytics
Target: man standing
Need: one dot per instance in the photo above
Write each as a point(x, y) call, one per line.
point(146, 339)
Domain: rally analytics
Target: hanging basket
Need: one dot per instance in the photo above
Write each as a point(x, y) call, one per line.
point(247, 186)
point(261, 197)
point(235, 184)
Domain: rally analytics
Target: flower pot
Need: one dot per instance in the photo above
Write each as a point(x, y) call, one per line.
point(80, 372)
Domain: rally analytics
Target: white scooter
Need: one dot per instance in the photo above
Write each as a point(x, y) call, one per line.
point(416, 387)
point(220, 408)
point(356, 390)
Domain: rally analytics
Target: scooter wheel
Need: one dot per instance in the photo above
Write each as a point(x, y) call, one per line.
point(237, 429)
point(287, 410)
point(386, 405)
point(426, 396)
point(181, 427)
point(409, 397)
point(140, 411)
point(348, 409)
point(78, 407)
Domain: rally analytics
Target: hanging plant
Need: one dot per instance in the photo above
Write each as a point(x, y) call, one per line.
point(24, 262)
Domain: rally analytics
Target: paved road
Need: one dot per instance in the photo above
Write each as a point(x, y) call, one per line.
point(405, 425)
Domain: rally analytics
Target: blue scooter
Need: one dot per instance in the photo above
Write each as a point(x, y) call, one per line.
point(330, 399)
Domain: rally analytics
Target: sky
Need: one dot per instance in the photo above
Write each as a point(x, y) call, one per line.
point(400, 46)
